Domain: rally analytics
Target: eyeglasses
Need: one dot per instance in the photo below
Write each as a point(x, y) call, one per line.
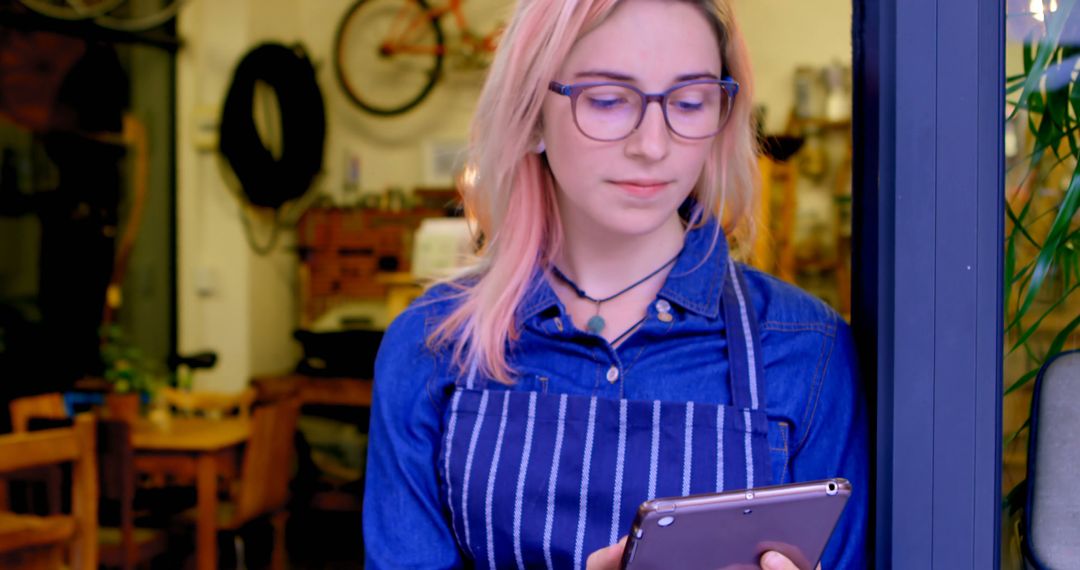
point(611, 111)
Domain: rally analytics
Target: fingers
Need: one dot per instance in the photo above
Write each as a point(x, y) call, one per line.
point(773, 560)
point(607, 558)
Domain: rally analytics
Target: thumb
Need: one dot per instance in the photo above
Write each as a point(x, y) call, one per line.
point(607, 558)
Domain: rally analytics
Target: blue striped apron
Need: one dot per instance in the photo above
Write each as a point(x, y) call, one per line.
point(543, 480)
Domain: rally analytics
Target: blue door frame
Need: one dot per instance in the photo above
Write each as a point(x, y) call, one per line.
point(927, 305)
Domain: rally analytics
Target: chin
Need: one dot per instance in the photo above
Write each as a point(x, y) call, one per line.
point(636, 222)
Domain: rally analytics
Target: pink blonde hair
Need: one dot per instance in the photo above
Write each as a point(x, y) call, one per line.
point(511, 196)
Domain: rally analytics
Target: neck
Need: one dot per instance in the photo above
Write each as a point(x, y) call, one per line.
point(602, 263)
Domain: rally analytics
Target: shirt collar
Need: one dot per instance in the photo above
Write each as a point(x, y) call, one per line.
point(695, 282)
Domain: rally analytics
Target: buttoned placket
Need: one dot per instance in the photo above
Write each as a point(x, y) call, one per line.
point(612, 363)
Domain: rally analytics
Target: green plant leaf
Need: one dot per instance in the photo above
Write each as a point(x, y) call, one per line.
point(1035, 326)
point(1062, 337)
point(1010, 265)
point(1019, 430)
point(1057, 110)
point(1070, 203)
point(1036, 67)
point(1021, 273)
point(1018, 223)
point(1015, 499)
point(1027, 377)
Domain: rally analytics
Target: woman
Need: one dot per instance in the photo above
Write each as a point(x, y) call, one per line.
point(605, 349)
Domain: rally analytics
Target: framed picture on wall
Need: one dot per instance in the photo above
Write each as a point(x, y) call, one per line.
point(443, 160)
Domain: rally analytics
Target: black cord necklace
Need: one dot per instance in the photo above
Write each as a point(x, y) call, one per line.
point(597, 323)
point(627, 332)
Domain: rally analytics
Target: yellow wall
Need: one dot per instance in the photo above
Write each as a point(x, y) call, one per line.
point(785, 34)
point(246, 307)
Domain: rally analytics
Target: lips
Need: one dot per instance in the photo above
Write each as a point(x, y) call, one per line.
point(641, 188)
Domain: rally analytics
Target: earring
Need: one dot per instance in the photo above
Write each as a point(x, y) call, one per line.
point(540, 148)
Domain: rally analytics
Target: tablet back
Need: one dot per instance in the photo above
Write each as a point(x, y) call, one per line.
point(732, 530)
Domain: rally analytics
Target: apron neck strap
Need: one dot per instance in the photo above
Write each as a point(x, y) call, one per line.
point(747, 373)
point(470, 380)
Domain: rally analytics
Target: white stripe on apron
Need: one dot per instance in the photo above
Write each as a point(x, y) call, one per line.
point(747, 335)
point(688, 450)
point(449, 447)
point(620, 462)
point(583, 497)
point(551, 481)
point(719, 449)
point(749, 451)
point(654, 456)
point(468, 466)
point(491, 483)
point(520, 494)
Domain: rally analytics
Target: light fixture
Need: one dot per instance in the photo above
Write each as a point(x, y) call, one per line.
point(1038, 11)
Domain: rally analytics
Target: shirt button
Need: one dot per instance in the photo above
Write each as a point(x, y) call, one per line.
point(662, 306)
point(613, 374)
point(558, 324)
point(665, 317)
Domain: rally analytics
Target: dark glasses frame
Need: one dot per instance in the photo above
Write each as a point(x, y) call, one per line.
point(574, 90)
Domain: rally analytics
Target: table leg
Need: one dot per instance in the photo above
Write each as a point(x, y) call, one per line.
point(206, 525)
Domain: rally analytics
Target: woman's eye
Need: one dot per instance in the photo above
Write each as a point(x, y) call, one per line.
point(602, 102)
point(688, 106)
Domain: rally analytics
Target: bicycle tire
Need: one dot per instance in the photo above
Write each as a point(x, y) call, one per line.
point(71, 13)
point(352, 90)
point(140, 23)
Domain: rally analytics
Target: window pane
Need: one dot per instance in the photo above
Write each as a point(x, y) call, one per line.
point(1042, 245)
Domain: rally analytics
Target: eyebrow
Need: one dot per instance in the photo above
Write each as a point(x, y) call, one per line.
point(616, 76)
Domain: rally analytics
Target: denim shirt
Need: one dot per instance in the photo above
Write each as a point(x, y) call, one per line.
point(814, 400)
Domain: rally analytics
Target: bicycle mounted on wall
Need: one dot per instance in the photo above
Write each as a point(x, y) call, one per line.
point(389, 54)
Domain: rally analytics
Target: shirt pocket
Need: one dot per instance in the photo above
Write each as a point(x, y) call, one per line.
point(523, 382)
point(533, 383)
point(779, 450)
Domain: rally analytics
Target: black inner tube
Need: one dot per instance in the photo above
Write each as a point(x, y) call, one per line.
point(267, 181)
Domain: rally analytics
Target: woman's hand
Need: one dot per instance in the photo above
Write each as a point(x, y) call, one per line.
point(607, 558)
point(773, 560)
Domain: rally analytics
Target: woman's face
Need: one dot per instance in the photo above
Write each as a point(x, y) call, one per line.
point(633, 186)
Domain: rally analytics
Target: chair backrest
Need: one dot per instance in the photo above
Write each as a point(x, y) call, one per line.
point(210, 404)
point(1052, 531)
point(49, 447)
point(116, 467)
point(49, 405)
point(264, 485)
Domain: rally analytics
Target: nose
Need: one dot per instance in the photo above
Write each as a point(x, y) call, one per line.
point(651, 140)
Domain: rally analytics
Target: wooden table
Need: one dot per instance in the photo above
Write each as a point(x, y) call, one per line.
point(193, 448)
point(352, 392)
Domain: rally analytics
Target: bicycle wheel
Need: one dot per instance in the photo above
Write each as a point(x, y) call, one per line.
point(132, 20)
point(71, 9)
point(388, 54)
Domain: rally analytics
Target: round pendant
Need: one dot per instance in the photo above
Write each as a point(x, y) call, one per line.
point(596, 324)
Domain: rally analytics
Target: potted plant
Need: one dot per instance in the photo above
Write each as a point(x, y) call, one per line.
point(133, 378)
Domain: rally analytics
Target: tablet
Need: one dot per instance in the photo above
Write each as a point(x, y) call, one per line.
point(731, 530)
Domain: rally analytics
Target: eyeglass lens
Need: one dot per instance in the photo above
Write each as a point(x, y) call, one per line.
point(611, 112)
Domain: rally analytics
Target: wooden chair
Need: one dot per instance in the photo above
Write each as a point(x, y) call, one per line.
point(28, 541)
point(50, 406)
point(210, 404)
point(263, 487)
point(121, 543)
